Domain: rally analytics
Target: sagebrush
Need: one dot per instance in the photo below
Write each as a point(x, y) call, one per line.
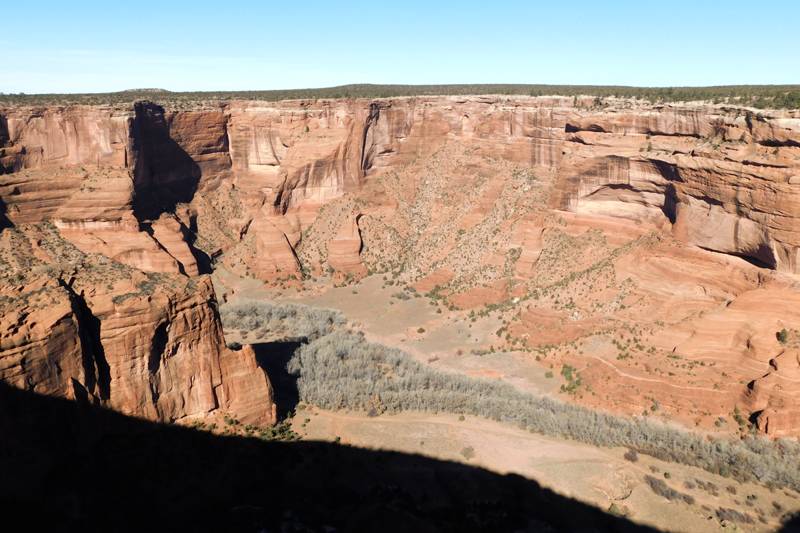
point(338, 369)
point(343, 371)
point(280, 320)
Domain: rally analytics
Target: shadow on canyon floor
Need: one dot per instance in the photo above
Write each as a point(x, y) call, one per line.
point(74, 467)
point(273, 357)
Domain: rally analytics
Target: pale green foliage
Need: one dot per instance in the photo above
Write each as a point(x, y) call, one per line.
point(343, 371)
point(280, 321)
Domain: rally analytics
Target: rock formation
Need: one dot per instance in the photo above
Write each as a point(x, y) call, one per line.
point(489, 182)
point(151, 345)
point(345, 248)
point(721, 177)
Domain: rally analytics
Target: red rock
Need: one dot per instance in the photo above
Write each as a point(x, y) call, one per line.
point(345, 247)
point(146, 345)
point(245, 179)
point(274, 256)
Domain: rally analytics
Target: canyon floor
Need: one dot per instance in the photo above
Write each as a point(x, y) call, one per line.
point(456, 341)
point(597, 476)
point(635, 261)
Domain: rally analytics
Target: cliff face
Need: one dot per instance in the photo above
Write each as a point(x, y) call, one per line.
point(80, 326)
point(449, 183)
point(151, 345)
point(64, 136)
point(73, 166)
point(723, 179)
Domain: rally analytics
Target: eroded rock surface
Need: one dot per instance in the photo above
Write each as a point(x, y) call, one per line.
point(606, 211)
point(84, 326)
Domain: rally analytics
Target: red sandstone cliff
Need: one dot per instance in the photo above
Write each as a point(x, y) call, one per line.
point(722, 178)
point(150, 345)
point(161, 190)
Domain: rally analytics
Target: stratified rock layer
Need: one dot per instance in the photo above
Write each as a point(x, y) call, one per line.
point(723, 178)
point(151, 345)
point(265, 188)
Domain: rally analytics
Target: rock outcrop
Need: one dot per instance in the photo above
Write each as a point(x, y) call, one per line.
point(274, 256)
point(345, 248)
point(491, 182)
point(772, 399)
point(86, 327)
point(722, 178)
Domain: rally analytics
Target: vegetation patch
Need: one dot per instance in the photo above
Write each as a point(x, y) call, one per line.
point(275, 321)
point(343, 371)
point(761, 96)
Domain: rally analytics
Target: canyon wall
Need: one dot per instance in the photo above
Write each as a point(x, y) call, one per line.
point(164, 192)
point(82, 326)
point(721, 178)
point(83, 184)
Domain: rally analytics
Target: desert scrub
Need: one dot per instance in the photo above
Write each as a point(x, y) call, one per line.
point(572, 377)
point(662, 489)
point(732, 515)
point(276, 321)
point(343, 371)
point(759, 96)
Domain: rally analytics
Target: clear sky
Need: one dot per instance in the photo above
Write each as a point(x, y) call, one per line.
point(60, 46)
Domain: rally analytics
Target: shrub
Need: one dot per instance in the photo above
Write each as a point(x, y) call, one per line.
point(618, 510)
point(662, 489)
point(631, 456)
point(708, 486)
point(732, 515)
point(279, 321)
point(343, 371)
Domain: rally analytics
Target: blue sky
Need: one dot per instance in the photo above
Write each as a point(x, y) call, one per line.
point(51, 46)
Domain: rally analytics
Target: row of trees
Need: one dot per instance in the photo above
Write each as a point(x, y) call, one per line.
point(339, 369)
point(343, 371)
point(773, 96)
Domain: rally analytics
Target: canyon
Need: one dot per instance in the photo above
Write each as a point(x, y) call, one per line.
point(645, 253)
point(467, 191)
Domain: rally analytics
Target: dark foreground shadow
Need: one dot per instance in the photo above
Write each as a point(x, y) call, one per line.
point(793, 525)
point(73, 467)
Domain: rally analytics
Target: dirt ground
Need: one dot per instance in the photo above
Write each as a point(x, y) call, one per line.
point(457, 341)
point(598, 476)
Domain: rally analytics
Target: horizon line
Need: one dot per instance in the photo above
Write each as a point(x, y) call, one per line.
point(155, 90)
